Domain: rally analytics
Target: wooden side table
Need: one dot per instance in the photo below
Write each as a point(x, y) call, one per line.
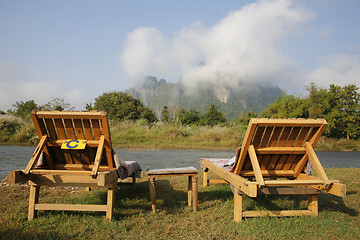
point(191, 172)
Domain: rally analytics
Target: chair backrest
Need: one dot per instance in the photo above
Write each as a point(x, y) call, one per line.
point(59, 127)
point(278, 145)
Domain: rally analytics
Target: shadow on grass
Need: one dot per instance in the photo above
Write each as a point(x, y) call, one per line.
point(327, 202)
point(18, 234)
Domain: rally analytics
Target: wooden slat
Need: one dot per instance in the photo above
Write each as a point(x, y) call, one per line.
point(316, 164)
point(98, 156)
point(258, 136)
point(79, 129)
point(278, 213)
point(243, 184)
point(60, 128)
point(281, 150)
point(87, 128)
point(296, 160)
point(264, 122)
point(292, 182)
point(269, 173)
point(108, 145)
point(58, 143)
point(69, 129)
point(51, 129)
point(71, 207)
point(60, 172)
point(275, 136)
point(70, 115)
point(96, 128)
point(41, 131)
point(255, 165)
point(290, 143)
point(272, 143)
point(35, 157)
point(288, 191)
point(245, 145)
point(84, 167)
point(266, 137)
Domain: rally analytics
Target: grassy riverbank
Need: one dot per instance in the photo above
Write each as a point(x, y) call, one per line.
point(338, 217)
point(141, 135)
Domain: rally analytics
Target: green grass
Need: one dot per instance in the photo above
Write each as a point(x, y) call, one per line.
point(133, 219)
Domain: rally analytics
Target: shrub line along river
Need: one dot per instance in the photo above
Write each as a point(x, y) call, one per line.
point(16, 157)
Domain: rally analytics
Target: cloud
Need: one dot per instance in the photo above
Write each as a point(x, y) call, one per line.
point(242, 47)
point(16, 85)
point(336, 69)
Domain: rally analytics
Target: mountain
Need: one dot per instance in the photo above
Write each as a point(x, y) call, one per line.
point(231, 101)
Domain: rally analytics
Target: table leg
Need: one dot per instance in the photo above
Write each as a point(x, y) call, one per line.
point(195, 192)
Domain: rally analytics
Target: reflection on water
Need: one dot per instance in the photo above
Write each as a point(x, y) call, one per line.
point(17, 157)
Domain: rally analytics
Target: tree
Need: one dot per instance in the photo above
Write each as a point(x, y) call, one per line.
point(188, 117)
point(340, 106)
point(287, 106)
point(23, 109)
point(122, 106)
point(213, 116)
point(57, 104)
point(245, 119)
point(165, 114)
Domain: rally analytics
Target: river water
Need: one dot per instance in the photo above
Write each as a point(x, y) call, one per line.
point(17, 157)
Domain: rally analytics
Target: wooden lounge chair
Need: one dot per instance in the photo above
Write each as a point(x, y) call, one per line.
point(74, 150)
point(272, 160)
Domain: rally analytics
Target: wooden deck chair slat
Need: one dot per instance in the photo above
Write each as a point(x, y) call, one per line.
point(279, 161)
point(88, 132)
point(282, 140)
point(245, 146)
point(96, 129)
point(286, 162)
point(106, 132)
point(316, 163)
point(302, 136)
point(69, 129)
point(51, 129)
point(264, 143)
point(41, 131)
point(295, 159)
point(312, 137)
point(258, 136)
point(60, 128)
point(54, 152)
point(36, 155)
point(79, 129)
point(272, 143)
point(255, 165)
point(70, 115)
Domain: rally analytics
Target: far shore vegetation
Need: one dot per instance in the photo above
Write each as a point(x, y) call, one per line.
point(135, 126)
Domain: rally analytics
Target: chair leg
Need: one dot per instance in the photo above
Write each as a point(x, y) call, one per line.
point(152, 193)
point(133, 181)
point(205, 177)
point(33, 199)
point(110, 203)
point(190, 191)
point(238, 200)
point(313, 204)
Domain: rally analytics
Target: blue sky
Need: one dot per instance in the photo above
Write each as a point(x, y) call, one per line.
point(78, 50)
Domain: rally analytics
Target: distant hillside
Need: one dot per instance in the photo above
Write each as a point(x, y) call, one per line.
point(231, 101)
